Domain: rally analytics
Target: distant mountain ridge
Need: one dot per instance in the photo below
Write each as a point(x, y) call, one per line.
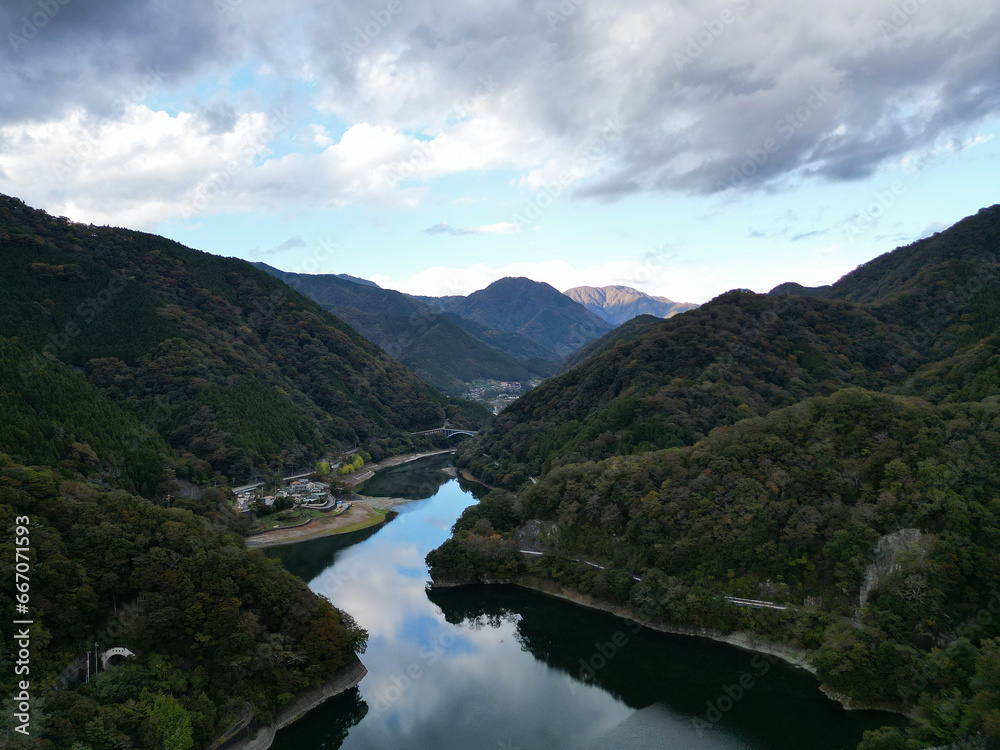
point(618, 304)
point(531, 308)
point(355, 279)
point(447, 352)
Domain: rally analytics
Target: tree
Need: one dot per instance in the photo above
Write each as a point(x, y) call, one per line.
point(170, 723)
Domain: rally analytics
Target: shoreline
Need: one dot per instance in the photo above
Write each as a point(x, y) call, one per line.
point(369, 470)
point(746, 640)
point(317, 529)
point(346, 678)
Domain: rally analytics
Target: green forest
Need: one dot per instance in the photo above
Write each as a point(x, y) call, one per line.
point(776, 448)
point(139, 378)
point(214, 627)
point(235, 370)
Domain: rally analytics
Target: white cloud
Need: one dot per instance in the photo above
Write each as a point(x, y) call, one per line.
point(146, 167)
point(481, 87)
point(150, 166)
point(503, 227)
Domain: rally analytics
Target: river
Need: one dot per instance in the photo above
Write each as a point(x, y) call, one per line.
point(500, 667)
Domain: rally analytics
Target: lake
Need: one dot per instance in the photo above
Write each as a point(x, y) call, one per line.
point(500, 667)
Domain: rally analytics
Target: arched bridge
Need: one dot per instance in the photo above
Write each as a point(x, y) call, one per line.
point(448, 431)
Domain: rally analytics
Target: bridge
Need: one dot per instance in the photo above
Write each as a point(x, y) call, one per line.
point(448, 431)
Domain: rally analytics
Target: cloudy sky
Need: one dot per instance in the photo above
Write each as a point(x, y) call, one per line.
point(681, 147)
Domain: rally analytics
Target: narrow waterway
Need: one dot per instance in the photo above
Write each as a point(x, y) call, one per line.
point(502, 667)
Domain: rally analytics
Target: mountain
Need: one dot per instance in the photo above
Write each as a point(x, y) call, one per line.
point(797, 290)
point(532, 309)
point(128, 362)
point(869, 518)
point(348, 277)
point(618, 304)
point(836, 455)
point(669, 382)
point(625, 332)
point(216, 630)
point(431, 343)
point(235, 370)
point(742, 354)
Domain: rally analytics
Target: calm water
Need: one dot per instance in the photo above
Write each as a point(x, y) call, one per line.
point(504, 668)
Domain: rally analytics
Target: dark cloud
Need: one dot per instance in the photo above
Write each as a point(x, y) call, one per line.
point(709, 96)
point(93, 53)
point(219, 116)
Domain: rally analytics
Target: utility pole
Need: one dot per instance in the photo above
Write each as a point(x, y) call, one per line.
point(88, 666)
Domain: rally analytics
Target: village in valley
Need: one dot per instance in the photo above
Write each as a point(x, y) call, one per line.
point(497, 394)
point(298, 499)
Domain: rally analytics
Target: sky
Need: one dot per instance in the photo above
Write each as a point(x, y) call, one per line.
point(682, 148)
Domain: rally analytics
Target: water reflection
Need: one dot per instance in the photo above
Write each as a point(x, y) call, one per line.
point(503, 667)
point(695, 684)
point(416, 480)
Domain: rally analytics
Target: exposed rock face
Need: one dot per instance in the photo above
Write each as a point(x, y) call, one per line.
point(886, 551)
point(537, 536)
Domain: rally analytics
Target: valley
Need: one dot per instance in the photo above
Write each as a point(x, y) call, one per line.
point(807, 473)
point(515, 376)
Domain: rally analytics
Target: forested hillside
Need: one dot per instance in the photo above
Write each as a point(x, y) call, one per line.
point(743, 354)
point(790, 508)
point(837, 454)
point(233, 368)
point(128, 362)
point(50, 415)
point(213, 626)
point(669, 384)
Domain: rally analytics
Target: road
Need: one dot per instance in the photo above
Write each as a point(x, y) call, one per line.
point(734, 600)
